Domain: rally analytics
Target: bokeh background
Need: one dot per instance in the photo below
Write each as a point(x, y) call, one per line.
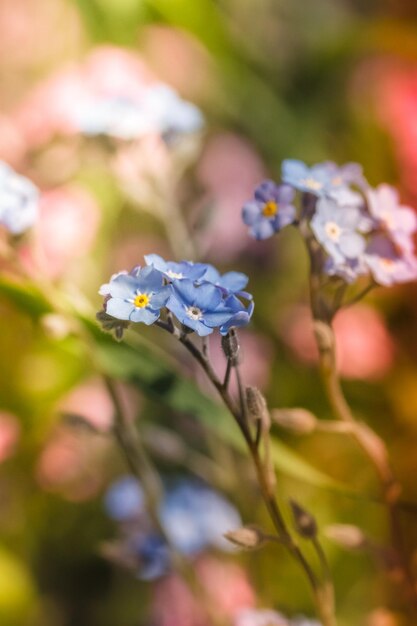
point(275, 79)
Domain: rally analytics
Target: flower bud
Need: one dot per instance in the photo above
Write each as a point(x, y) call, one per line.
point(304, 522)
point(257, 407)
point(299, 421)
point(347, 536)
point(231, 347)
point(247, 537)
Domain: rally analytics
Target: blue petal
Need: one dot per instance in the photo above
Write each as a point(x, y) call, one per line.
point(160, 298)
point(116, 307)
point(234, 281)
point(263, 229)
point(217, 318)
point(251, 212)
point(149, 279)
point(123, 286)
point(157, 261)
point(186, 291)
point(145, 315)
point(266, 191)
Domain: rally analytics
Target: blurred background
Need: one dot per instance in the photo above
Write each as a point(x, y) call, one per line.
point(274, 79)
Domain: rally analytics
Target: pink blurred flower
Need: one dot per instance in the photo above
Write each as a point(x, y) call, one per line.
point(364, 347)
point(230, 169)
point(226, 585)
point(12, 145)
point(9, 435)
point(66, 229)
point(50, 108)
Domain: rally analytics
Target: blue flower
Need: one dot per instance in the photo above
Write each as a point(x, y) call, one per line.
point(336, 228)
point(349, 269)
point(196, 517)
point(170, 114)
point(270, 210)
point(324, 178)
point(124, 499)
point(137, 298)
point(200, 308)
point(387, 263)
point(229, 283)
point(151, 554)
point(18, 201)
point(399, 222)
point(241, 314)
point(176, 271)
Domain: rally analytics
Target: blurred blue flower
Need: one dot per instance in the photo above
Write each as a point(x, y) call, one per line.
point(399, 222)
point(124, 499)
point(18, 201)
point(389, 265)
point(139, 297)
point(325, 178)
point(152, 554)
point(268, 617)
point(199, 307)
point(176, 271)
point(270, 210)
point(349, 269)
point(336, 229)
point(196, 517)
point(170, 114)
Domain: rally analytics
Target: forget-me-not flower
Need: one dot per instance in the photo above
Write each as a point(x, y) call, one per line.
point(270, 210)
point(137, 298)
point(229, 283)
point(125, 500)
point(199, 307)
point(19, 200)
point(399, 222)
point(241, 314)
point(322, 179)
point(387, 264)
point(336, 229)
point(176, 271)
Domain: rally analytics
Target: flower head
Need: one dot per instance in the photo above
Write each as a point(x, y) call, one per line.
point(399, 222)
point(323, 178)
point(387, 264)
point(336, 228)
point(229, 283)
point(241, 314)
point(270, 210)
point(176, 271)
point(18, 201)
point(137, 298)
point(201, 307)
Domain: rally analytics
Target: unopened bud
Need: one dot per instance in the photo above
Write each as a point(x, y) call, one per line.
point(111, 324)
point(347, 536)
point(231, 347)
point(299, 421)
point(257, 407)
point(247, 537)
point(304, 522)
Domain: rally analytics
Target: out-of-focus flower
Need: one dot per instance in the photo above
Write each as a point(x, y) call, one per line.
point(9, 435)
point(336, 228)
point(176, 271)
point(364, 349)
point(323, 178)
point(18, 201)
point(12, 144)
point(159, 111)
point(226, 585)
point(196, 517)
point(201, 308)
point(387, 263)
point(90, 401)
point(270, 210)
point(137, 298)
point(108, 72)
point(349, 269)
point(124, 499)
point(399, 222)
point(260, 617)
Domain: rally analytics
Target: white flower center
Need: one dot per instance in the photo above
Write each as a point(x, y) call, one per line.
point(175, 275)
point(311, 183)
point(194, 313)
point(333, 231)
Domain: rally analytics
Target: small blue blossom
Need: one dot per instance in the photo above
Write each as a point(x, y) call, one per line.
point(229, 283)
point(19, 200)
point(388, 264)
point(241, 314)
point(196, 517)
point(336, 229)
point(170, 114)
point(124, 500)
point(137, 298)
point(150, 554)
point(324, 178)
point(399, 222)
point(200, 308)
point(176, 271)
point(349, 269)
point(270, 210)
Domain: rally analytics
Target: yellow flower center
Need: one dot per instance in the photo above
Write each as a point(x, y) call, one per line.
point(141, 300)
point(311, 183)
point(270, 209)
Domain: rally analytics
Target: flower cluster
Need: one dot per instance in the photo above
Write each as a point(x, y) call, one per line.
point(18, 201)
point(194, 518)
point(268, 617)
point(198, 296)
point(360, 230)
point(159, 111)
